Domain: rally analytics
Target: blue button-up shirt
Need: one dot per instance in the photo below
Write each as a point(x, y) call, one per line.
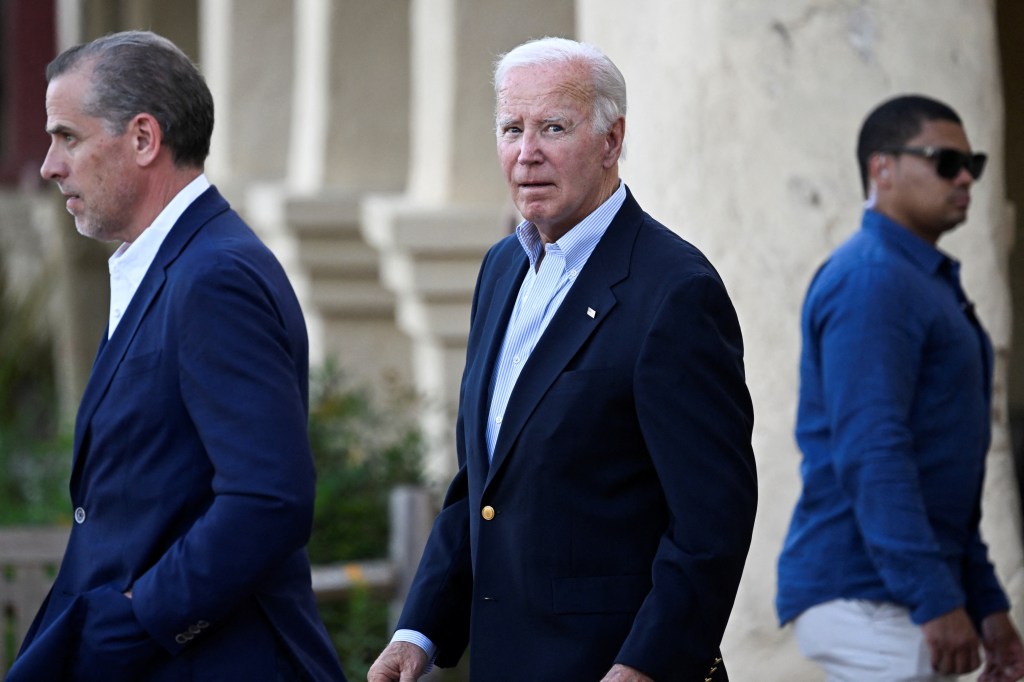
point(894, 426)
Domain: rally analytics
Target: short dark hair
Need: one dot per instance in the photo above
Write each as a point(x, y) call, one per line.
point(138, 72)
point(894, 122)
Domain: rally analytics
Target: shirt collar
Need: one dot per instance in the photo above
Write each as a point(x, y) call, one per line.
point(929, 258)
point(136, 256)
point(579, 242)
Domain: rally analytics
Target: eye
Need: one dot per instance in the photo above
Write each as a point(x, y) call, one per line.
point(510, 130)
point(65, 139)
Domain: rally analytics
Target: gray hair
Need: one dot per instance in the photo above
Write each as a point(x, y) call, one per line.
point(606, 79)
point(136, 72)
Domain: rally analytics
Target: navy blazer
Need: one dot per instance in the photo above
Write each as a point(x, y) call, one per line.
point(192, 480)
point(614, 521)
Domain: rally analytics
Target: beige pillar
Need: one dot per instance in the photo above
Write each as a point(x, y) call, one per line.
point(328, 124)
point(246, 55)
point(433, 237)
point(742, 124)
point(352, 92)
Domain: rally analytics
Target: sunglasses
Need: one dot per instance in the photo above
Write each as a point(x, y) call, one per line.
point(948, 162)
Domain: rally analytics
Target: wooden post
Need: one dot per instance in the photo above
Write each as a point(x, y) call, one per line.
point(28, 561)
point(412, 516)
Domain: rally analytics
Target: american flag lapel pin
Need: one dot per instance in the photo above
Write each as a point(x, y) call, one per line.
point(591, 313)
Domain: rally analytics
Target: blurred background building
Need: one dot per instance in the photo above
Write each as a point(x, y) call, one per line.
point(356, 136)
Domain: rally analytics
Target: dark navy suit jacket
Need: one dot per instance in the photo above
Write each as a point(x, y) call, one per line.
point(192, 480)
point(614, 521)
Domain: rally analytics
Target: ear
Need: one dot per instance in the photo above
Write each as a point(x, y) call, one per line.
point(613, 142)
point(146, 138)
point(879, 174)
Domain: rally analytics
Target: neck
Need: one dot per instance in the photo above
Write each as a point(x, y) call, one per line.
point(159, 192)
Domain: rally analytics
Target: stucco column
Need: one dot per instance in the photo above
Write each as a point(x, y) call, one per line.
point(312, 113)
point(246, 55)
point(433, 236)
point(741, 133)
point(351, 96)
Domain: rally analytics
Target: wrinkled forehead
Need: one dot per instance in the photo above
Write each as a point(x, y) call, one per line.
point(556, 85)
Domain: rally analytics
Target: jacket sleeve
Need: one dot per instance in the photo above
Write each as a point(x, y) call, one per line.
point(696, 417)
point(439, 598)
point(244, 396)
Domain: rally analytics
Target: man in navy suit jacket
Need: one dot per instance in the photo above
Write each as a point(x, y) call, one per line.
point(602, 512)
point(192, 482)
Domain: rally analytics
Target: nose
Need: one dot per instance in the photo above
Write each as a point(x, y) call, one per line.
point(53, 167)
point(529, 148)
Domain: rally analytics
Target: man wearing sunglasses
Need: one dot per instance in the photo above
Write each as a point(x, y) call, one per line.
point(884, 573)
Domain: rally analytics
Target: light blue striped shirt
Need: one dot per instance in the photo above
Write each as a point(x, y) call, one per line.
point(529, 320)
point(541, 293)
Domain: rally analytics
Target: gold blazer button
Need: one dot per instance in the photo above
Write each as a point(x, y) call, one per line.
point(487, 512)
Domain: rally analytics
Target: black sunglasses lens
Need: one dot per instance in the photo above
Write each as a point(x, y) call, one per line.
point(948, 163)
point(976, 165)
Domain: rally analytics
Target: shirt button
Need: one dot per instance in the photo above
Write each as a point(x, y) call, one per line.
point(487, 512)
point(515, 360)
point(79, 515)
point(497, 420)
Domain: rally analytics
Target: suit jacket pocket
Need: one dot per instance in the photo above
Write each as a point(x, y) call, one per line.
point(138, 363)
point(113, 645)
point(573, 379)
point(600, 594)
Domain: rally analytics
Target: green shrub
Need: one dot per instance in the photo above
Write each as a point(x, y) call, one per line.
point(363, 445)
point(34, 454)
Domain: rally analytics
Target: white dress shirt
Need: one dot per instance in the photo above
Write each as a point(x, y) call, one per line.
point(131, 261)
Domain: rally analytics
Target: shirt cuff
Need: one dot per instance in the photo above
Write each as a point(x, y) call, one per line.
point(420, 640)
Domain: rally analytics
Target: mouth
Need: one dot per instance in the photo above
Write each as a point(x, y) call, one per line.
point(72, 201)
point(534, 185)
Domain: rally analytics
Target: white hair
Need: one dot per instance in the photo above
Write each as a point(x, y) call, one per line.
point(609, 85)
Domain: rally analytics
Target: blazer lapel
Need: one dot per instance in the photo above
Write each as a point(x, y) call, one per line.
point(112, 351)
point(496, 314)
point(571, 325)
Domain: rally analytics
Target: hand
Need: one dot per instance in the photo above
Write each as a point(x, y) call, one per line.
point(953, 643)
point(623, 673)
point(112, 644)
point(1004, 654)
point(399, 662)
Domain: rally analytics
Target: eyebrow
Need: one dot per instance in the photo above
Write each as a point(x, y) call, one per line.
point(58, 129)
point(512, 120)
